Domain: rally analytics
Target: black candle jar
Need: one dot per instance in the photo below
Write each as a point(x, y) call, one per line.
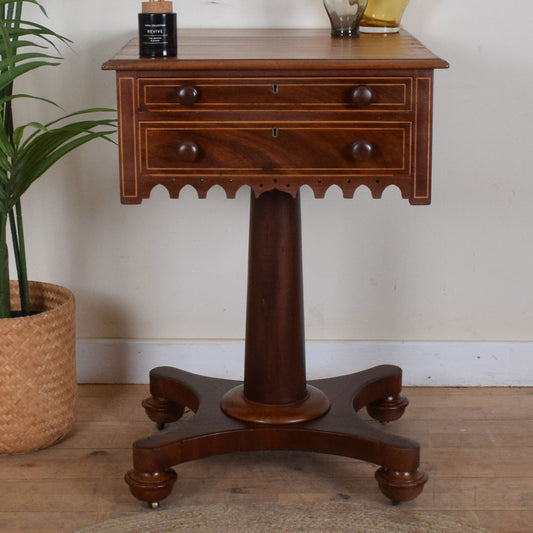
point(158, 35)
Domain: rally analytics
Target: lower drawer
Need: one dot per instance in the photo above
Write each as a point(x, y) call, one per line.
point(382, 148)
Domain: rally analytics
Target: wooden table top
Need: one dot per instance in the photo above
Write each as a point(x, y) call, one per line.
point(282, 49)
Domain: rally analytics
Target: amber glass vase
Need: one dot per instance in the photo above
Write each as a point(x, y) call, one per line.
point(383, 16)
point(345, 16)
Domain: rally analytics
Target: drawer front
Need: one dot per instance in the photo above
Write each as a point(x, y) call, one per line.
point(356, 94)
point(303, 149)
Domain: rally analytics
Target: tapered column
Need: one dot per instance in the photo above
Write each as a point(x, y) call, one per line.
point(274, 371)
point(275, 389)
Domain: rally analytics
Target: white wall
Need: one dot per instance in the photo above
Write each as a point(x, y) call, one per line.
point(458, 270)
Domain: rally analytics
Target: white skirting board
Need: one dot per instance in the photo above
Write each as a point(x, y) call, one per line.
point(459, 364)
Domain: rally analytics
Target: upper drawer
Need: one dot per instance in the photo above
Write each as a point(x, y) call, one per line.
point(211, 94)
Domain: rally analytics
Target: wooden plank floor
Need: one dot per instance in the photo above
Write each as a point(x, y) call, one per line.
point(477, 447)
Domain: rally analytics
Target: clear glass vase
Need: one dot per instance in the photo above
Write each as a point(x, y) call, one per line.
point(383, 16)
point(345, 16)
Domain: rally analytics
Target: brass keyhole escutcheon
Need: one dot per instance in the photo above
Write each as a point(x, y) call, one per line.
point(275, 133)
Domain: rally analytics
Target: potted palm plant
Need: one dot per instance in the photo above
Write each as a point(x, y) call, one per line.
point(37, 332)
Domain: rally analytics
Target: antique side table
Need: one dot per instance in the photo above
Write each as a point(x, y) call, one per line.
point(275, 110)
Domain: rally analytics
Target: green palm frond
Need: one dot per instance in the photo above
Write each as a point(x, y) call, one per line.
point(45, 147)
point(28, 151)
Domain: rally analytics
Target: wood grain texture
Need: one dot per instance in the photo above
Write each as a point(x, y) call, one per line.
point(477, 449)
point(282, 49)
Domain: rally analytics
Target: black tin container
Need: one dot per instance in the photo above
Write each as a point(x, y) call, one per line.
point(158, 35)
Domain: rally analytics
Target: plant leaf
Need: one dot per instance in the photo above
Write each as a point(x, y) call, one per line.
point(5, 145)
point(9, 76)
point(35, 157)
point(6, 2)
point(14, 96)
point(18, 58)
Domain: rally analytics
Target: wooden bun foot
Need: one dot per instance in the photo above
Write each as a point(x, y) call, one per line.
point(400, 486)
point(162, 411)
point(151, 488)
point(388, 409)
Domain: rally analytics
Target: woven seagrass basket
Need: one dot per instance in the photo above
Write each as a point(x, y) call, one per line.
point(38, 388)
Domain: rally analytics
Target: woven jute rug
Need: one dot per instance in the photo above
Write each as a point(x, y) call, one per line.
point(273, 518)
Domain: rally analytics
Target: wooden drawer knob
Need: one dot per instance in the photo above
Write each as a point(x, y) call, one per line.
point(362, 150)
point(361, 96)
point(188, 95)
point(188, 151)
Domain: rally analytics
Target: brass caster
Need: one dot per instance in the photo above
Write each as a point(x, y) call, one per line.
point(154, 505)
